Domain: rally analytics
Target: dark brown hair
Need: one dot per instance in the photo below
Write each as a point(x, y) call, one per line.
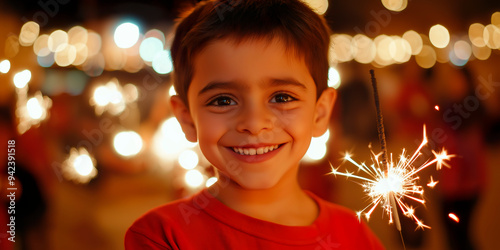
point(292, 21)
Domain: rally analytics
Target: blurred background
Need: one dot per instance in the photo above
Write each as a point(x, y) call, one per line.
point(84, 101)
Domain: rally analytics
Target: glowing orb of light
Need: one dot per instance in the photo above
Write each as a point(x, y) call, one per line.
point(79, 167)
point(127, 143)
point(22, 78)
point(83, 165)
point(188, 159)
point(317, 149)
point(319, 6)
point(4, 66)
point(126, 35)
point(29, 33)
point(333, 78)
point(162, 63)
point(439, 36)
point(35, 109)
point(101, 96)
point(395, 5)
point(211, 181)
point(169, 141)
point(193, 178)
point(149, 48)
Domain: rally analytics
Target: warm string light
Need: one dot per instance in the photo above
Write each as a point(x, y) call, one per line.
point(83, 48)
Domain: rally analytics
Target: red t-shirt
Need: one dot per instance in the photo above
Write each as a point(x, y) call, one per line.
point(203, 222)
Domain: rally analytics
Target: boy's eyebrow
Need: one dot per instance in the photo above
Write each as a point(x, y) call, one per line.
point(273, 82)
point(215, 85)
point(287, 81)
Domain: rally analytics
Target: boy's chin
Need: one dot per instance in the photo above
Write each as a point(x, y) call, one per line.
point(257, 184)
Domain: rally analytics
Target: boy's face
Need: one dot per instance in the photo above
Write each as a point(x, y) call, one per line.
point(253, 109)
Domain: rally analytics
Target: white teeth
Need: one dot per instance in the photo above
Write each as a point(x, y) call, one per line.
point(252, 151)
point(255, 151)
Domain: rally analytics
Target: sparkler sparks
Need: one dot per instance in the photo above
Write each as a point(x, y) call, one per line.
point(399, 180)
point(454, 217)
point(390, 184)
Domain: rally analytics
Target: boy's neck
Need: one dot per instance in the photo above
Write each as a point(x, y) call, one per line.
point(285, 203)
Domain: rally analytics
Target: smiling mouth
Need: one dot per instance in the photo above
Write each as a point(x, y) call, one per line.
point(255, 151)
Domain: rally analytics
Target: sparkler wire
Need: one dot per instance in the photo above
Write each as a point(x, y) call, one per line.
point(383, 146)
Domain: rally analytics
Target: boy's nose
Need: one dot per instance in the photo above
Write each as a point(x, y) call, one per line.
point(255, 119)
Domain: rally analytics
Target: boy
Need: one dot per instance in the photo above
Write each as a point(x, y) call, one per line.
point(251, 78)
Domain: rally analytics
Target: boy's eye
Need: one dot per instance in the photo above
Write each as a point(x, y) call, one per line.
point(280, 98)
point(222, 101)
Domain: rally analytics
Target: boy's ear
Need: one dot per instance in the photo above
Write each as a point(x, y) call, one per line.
point(183, 115)
point(324, 107)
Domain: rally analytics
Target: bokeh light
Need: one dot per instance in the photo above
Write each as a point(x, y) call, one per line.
point(481, 53)
point(11, 48)
point(365, 49)
point(426, 58)
point(126, 35)
point(79, 167)
point(65, 55)
point(383, 56)
point(127, 143)
point(455, 60)
point(35, 109)
point(77, 34)
point(162, 63)
point(47, 60)
point(31, 111)
point(4, 66)
point(57, 40)
point(439, 36)
point(333, 78)
point(94, 43)
point(319, 6)
point(395, 5)
point(415, 41)
point(211, 181)
point(462, 50)
point(317, 149)
point(169, 140)
point(400, 49)
point(491, 35)
point(29, 33)
point(194, 178)
point(188, 159)
point(341, 48)
point(22, 78)
point(495, 19)
point(112, 97)
point(149, 48)
point(41, 45)
point(476, 31)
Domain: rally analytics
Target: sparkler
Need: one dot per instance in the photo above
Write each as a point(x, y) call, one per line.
point(388, 183)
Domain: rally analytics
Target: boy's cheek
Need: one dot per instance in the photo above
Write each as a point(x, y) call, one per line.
point(291, 117)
